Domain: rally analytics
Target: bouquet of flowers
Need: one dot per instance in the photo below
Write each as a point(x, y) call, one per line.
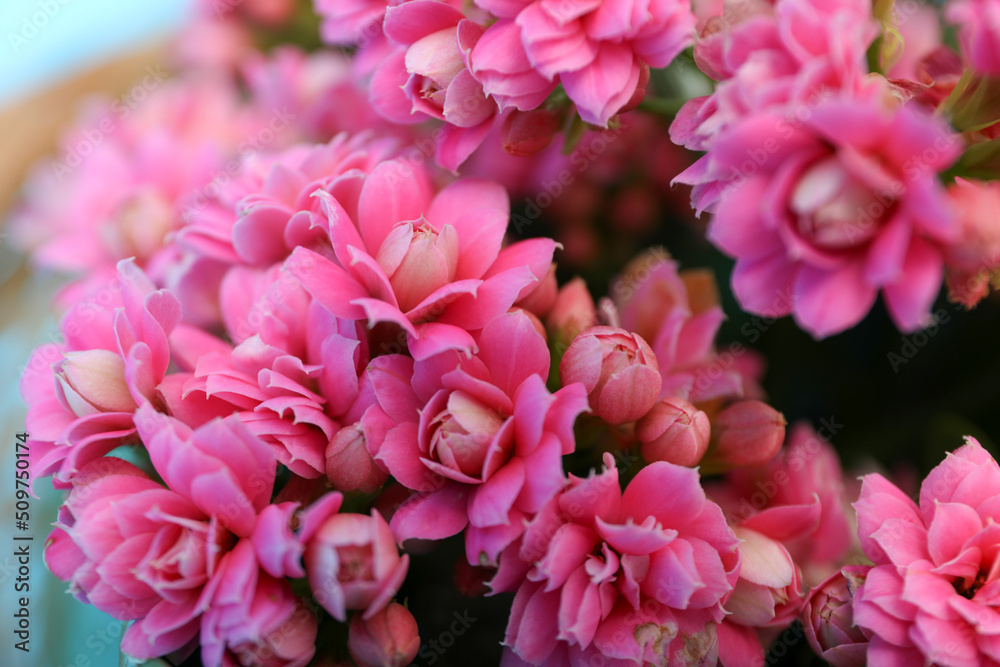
point(367, 311)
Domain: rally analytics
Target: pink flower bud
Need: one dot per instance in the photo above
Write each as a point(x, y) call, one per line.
point(351, 559)
point(828, 619)
point(617, 368)
point(573, 311)
point(674, 431)
point(528, 132)
point(746, 434)
point(349, 466)
point(387, 639)
point(422, 260)
point(93, 381)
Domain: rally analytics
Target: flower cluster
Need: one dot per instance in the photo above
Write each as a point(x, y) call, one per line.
point(312, 339)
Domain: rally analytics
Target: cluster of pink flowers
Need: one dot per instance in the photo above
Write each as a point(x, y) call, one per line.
point(822, 177)
point(485, 64)
point(304, 341)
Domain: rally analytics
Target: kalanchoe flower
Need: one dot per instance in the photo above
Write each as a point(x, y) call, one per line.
point(221, 467)
point(387, 639)
point(674, 431)
point(138, 551)
point(428, 76)
point(799, 498)
point(636, 577)
point(480, 438)
point(785, 58)
point(269, 209)
point(768, 595)
point(930, 597)
point(617, 368)
point(254, 619)
point(595, 50)
point(828, 619)
point(291, 355)
point(979, 25)
point(431, 264)
point(351, 559)
point(835, 210)
point(678, 312)
point(81, 395)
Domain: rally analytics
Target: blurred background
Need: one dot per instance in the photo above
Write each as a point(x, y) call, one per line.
point(892, 402)
point(53, 54)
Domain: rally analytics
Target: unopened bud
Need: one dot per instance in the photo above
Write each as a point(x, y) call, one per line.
point(387, 639)
point(94, 381)
point(745, 434)
point(619, 371)
point(674, 431)
point(349, 466)
point(528, 132)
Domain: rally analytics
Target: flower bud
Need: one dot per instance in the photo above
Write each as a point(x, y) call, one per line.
point(674, 431)
point(94, 381)
point(351, 559)
point(618, 369)
point(745, 434)
point(387, 639)
point(828, 620)
point(528, 132)
point(574, 310)
point(349, 466)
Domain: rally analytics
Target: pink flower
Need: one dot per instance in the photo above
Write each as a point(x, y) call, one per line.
point(784, 58)
point(291, 354)
point(799, 498)
point(429, 76)
point(930, 597)
point(769, 594)
point(479, 438)
point(387, 639)
point(81, 396)
point(596, 50)
point(678, 312)
point(791, 517)
point(221, 467)
point(508, 75)
point(269, 209)
point(431, 264)
point(254, 619)
point(823, 216)
point(828, 619)
point(639, 576)
point(974, 257)
point(617, 368)
point(979, 25)
point(137, 551)
point(351, 559)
